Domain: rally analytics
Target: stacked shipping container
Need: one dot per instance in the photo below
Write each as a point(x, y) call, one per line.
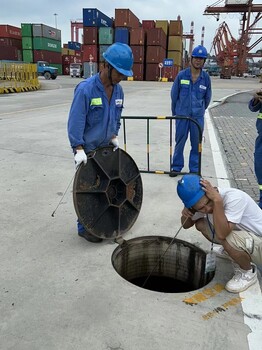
point(41, 43)
point(70, 56)
point(10, 43)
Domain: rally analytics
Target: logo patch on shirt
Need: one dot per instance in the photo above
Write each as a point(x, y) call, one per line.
point(119, 102)
point(96, 101)
point(202, 87)
point(185, 82)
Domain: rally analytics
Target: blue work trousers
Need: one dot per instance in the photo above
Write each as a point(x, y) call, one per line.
point(258, 157)
point(183, 127)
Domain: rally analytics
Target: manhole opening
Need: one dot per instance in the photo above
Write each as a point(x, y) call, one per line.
point(180, 270)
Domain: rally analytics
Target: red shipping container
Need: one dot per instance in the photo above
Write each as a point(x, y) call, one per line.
point(148, 24)
point(65, 46)
point(126, 18)
point(78, 54)
point(67, 59)
point(138, 53)
point(49, 56)
point(138, 71)
point(155, 54)
point(170, 72)
point(9, 53)
point(156, 36)
point(152, 72)
point(7, 31)
point(88, 52)
point(137, 36)
point(11, 42)
point(90, 35)
point(66, 69)
point(176, 28)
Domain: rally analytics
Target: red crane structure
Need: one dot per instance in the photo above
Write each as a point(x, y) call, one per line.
point(232, 52)
point(75, 26)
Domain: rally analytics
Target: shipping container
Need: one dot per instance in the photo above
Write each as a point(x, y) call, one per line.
point(89, 52)
point(152, 72)
point(26, 29)
point(121, 35)
point(66, 69)
point(7, 31)
point(74, 52)
point(46, 44)
point(163, 24)
point(66, 59)
point(45, 31)
point(155, 54)
point(64, 51)
point(90, 69)
point(49, 56)
point(176, 56)
point(102, 49)
point(236, 2)
point(170, 73)
point(11, 42)
point(156, 36)
point(138, 53)
point(106, 36)
point(74, 45)
point(138, 71)
point(90, 35)
point(28, 56)
point(101, 66)
point(92, 17)
point(175, 43)
point(27, 43)
point(148, 24)
point(126, 18)
point(176, 27)
point(9, 53)
point(137, 36)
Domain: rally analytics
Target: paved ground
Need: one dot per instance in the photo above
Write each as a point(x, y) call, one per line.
point(58, 291)
point(236, 130)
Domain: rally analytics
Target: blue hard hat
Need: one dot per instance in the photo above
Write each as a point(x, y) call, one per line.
point(199, 51)
point(120, 57)
point(189, 189)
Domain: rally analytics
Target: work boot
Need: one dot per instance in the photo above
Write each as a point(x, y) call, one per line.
point(89, 237)
point(174, 173)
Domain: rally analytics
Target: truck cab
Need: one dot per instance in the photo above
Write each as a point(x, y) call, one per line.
point(44, 69)
point(76, 70)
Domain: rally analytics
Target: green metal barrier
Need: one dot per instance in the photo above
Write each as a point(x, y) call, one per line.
point(18, 77)
point(148, 119)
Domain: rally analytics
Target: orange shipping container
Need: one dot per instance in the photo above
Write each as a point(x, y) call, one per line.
point(155, 54)
point(137, 36)
point(138, 71)
point(126, 18)
point(156, 36)
point(176, 28)
point(138, 53)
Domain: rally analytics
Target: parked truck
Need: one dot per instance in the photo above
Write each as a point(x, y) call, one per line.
point(44, 69)
point(76, 70)
point(226, 72)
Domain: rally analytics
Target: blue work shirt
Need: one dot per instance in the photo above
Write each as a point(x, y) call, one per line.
point(255, 107)
point(190, 99)
point(93, 120)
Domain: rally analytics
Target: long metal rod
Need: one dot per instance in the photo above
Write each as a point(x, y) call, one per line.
point(53, 214)
point(161, 257)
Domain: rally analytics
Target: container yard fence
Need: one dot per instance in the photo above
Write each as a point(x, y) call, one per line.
point(18, 77)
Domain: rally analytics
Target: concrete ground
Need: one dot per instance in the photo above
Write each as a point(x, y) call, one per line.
point(59, 291)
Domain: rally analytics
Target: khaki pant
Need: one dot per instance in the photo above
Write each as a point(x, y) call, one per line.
point(243, 241)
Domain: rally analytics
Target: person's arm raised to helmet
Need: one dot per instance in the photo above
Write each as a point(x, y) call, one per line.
point(186, 218)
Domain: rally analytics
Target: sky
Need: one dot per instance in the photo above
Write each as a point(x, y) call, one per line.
point(61, 12)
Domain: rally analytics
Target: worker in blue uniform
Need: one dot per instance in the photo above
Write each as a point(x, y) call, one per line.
point(255, 105)
point(190, 96)
point(94, 118)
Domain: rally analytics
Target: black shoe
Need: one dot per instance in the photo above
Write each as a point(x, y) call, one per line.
point(89, 237)
point(174, 173)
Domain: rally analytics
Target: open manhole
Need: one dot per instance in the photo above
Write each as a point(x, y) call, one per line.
point(181, 269)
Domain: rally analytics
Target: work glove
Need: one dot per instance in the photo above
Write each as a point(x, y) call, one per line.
point(80, 157)
point(115, 143)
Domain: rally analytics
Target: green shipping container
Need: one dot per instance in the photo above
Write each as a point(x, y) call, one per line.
point(26, 29)
point(27, 43)
point(41, 43)
point(106, 35)
point(58, 66)
point(28, 56)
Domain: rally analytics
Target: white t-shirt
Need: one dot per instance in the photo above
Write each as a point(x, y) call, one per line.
point(240, 209)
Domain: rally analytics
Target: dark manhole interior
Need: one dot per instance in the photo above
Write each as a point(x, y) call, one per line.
point(181, 269)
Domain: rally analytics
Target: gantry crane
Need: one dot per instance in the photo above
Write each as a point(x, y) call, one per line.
point(240, 49)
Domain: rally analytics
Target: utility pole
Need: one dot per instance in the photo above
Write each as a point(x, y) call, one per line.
point(55, 14)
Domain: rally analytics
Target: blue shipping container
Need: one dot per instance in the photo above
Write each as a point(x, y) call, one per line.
point(122, 35)
point(95, 18)
point(74, 45)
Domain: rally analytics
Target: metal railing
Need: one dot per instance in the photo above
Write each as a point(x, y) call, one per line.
point(148, 119)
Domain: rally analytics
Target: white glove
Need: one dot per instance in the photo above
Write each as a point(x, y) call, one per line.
point(80, 157)
point(115, 143)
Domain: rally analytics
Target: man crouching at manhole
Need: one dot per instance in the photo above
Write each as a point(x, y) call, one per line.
point(229, 217)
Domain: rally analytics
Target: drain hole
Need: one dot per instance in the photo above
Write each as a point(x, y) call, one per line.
point(182, 269)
